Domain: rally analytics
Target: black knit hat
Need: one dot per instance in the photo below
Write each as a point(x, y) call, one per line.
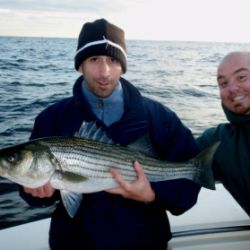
point(101, 38)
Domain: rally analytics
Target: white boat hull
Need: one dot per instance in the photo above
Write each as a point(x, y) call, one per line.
point(215, 222)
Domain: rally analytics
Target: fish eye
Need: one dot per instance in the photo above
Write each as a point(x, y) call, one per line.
point(12, 158)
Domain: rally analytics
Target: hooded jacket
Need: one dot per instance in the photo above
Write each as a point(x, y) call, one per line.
point(231, 163)
point(107, 221)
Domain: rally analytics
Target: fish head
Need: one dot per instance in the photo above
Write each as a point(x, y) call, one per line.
point(28, 164)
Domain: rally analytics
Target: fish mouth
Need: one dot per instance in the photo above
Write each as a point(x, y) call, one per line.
point(31, 183)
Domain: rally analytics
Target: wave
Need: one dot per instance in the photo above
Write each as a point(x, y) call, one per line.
point(36, 72)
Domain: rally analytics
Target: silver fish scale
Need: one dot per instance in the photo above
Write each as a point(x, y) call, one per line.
point(83, 161)
point(80, 156)
point(92, 160)
point(87, 165)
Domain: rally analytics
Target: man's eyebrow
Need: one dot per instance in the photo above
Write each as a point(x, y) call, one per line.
point(240, 69)
point(219, 77)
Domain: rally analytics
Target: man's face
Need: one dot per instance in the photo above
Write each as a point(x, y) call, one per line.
point(234, 82)
point(101, 74)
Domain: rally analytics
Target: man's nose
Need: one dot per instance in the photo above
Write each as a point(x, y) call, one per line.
point(234, 86)
point(104, 68)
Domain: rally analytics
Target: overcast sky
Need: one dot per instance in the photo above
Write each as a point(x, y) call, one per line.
point(184, 20)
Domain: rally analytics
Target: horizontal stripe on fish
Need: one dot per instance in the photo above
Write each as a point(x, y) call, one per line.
point(92, 159)
point(77, 165)
point(74, 162)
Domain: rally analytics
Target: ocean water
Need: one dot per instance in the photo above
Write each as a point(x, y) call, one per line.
point(36, 72)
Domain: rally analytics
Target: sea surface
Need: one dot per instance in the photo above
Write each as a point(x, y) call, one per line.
point(36, 72)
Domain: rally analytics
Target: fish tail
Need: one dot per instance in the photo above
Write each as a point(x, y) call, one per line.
point(205, 162)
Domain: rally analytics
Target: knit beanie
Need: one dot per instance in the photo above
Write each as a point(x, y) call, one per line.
point(101, 38)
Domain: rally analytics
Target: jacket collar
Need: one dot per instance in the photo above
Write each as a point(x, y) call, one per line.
point(132, 96)
point(134, 122)
point(235, 118)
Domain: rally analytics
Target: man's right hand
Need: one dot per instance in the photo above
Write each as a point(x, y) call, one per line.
point(45, 191)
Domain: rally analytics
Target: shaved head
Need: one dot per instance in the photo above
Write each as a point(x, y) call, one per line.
point(243, 56)
point(233, 77)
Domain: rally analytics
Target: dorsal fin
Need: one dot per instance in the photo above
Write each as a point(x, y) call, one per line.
point(90, 130)
point(144, 145)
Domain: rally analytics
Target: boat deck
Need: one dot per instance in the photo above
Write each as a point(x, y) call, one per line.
point(215, 222)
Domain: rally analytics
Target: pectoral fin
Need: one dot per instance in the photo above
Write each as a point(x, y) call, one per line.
point(71, 202)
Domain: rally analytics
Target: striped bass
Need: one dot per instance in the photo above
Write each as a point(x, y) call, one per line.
point(83, 165)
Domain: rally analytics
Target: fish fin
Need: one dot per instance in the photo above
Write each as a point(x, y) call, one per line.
point(205, 161)
point(144, 145)
point(89, 130)
point(71, 202)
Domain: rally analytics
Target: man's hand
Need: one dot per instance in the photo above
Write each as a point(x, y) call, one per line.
point(45, 191)
point(139, 190)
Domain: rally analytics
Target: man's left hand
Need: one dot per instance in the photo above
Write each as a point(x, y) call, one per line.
point(139, 190)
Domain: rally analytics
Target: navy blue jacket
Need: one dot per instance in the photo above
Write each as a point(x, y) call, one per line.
point(107, 221)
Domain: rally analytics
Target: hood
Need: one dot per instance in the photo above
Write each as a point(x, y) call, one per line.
point(235, 118)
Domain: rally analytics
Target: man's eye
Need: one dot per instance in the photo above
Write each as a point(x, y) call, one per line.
point(242, 77)
point(93, 59)
point(222, 84)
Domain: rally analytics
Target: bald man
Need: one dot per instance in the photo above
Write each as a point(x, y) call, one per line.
point(231, 162)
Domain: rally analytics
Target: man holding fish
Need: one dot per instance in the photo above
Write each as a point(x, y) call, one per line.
point(133, 214)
